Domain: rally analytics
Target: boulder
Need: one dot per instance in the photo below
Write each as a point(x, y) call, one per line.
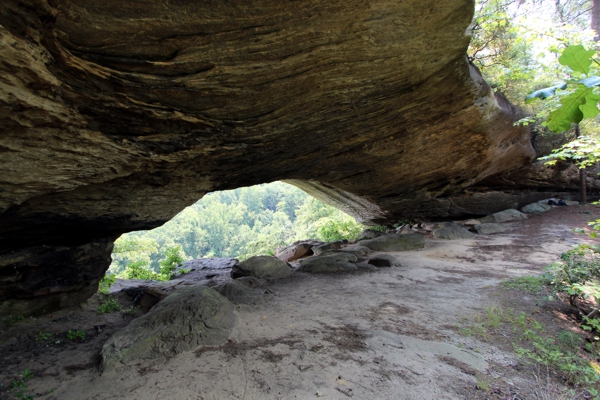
point(187, 318)
point(239, 293)
point(264, 267)
point(451, 231)
point(404, 229)
point(330, 261)
point(383, 260)
point(358, 251)
point(535, 208)
point(203, 269)
point(295, 251)
point(395, 242)
point(489, 228)
point(328, 246)
point(369, 234)
point(471, 222)
point(504, 216)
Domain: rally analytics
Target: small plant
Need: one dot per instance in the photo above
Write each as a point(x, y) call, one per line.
point(111, 304)
point(19, 386)
point(482, 383)
point(13, 319)
point(560, 354)
point(43, 336)
point(184, 271)
point(131, 310)
point(106, 282)
point(139, 270)
point(174, 256)
point(76, 335)
point(569, 339)
point(528, 283)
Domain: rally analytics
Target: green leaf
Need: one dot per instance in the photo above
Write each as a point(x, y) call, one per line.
point(569, 112)
point(590, 107)
point(577, 58)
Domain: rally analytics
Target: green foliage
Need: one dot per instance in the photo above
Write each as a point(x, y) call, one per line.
point(13, 319)
point(174, 256)
point(19, 386)
point(528, 283)
point(237, 223)
point(330, 230)
point(577, 273)
point(109, 305)
point(578, 99)
point(106, 282)
point(584, 151)
point(577, 58)
point(535, 345)
point(76, 335)
point(43, 336)
point(139, 270)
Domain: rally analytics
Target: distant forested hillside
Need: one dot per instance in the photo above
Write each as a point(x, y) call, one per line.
point(236, 223)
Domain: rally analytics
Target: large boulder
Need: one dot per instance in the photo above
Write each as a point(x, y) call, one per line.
point(489, 228)
point(264, 267)
point(395, 242)
point(296, 250)
point(187, 318)
point(330, 261)
point(504, 216)
point(535, 208)
point(451, 231)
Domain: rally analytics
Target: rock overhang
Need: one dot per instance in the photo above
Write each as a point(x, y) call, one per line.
point(116, 115)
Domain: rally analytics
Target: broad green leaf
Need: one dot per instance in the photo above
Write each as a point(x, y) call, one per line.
point(577, 58)
point(569, 112)
point(590, 107)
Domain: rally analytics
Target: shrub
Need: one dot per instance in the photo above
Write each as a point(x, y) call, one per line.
point(139, 270)
point(173, 258)
point(76, 335)
point(106, 282)
point(111, 304)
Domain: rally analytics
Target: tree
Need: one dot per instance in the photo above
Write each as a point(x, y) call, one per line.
point(578, 101)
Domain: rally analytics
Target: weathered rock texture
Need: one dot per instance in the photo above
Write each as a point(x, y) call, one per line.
point(116, 115)
point(187, 318)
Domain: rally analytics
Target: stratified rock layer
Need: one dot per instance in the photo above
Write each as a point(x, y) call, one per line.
point(115, 115)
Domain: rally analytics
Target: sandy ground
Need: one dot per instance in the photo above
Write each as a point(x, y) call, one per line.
point(389, 334)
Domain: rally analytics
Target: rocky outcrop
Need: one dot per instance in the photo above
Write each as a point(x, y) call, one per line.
point(114, 116)
point(263, 267)
point(187, 318)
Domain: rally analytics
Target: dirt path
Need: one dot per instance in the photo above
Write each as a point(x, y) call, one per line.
point(389, 334)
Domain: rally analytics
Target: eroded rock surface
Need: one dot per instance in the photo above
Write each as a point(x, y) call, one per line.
point(114, 116)
point(184, 320)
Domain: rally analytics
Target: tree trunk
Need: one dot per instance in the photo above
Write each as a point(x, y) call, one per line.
point(596, 18)
point(582, 174)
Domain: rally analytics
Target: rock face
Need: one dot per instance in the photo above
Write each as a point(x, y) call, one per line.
point(263, 267)
point(329, 261)
point(184, 320)
point(114, 116)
